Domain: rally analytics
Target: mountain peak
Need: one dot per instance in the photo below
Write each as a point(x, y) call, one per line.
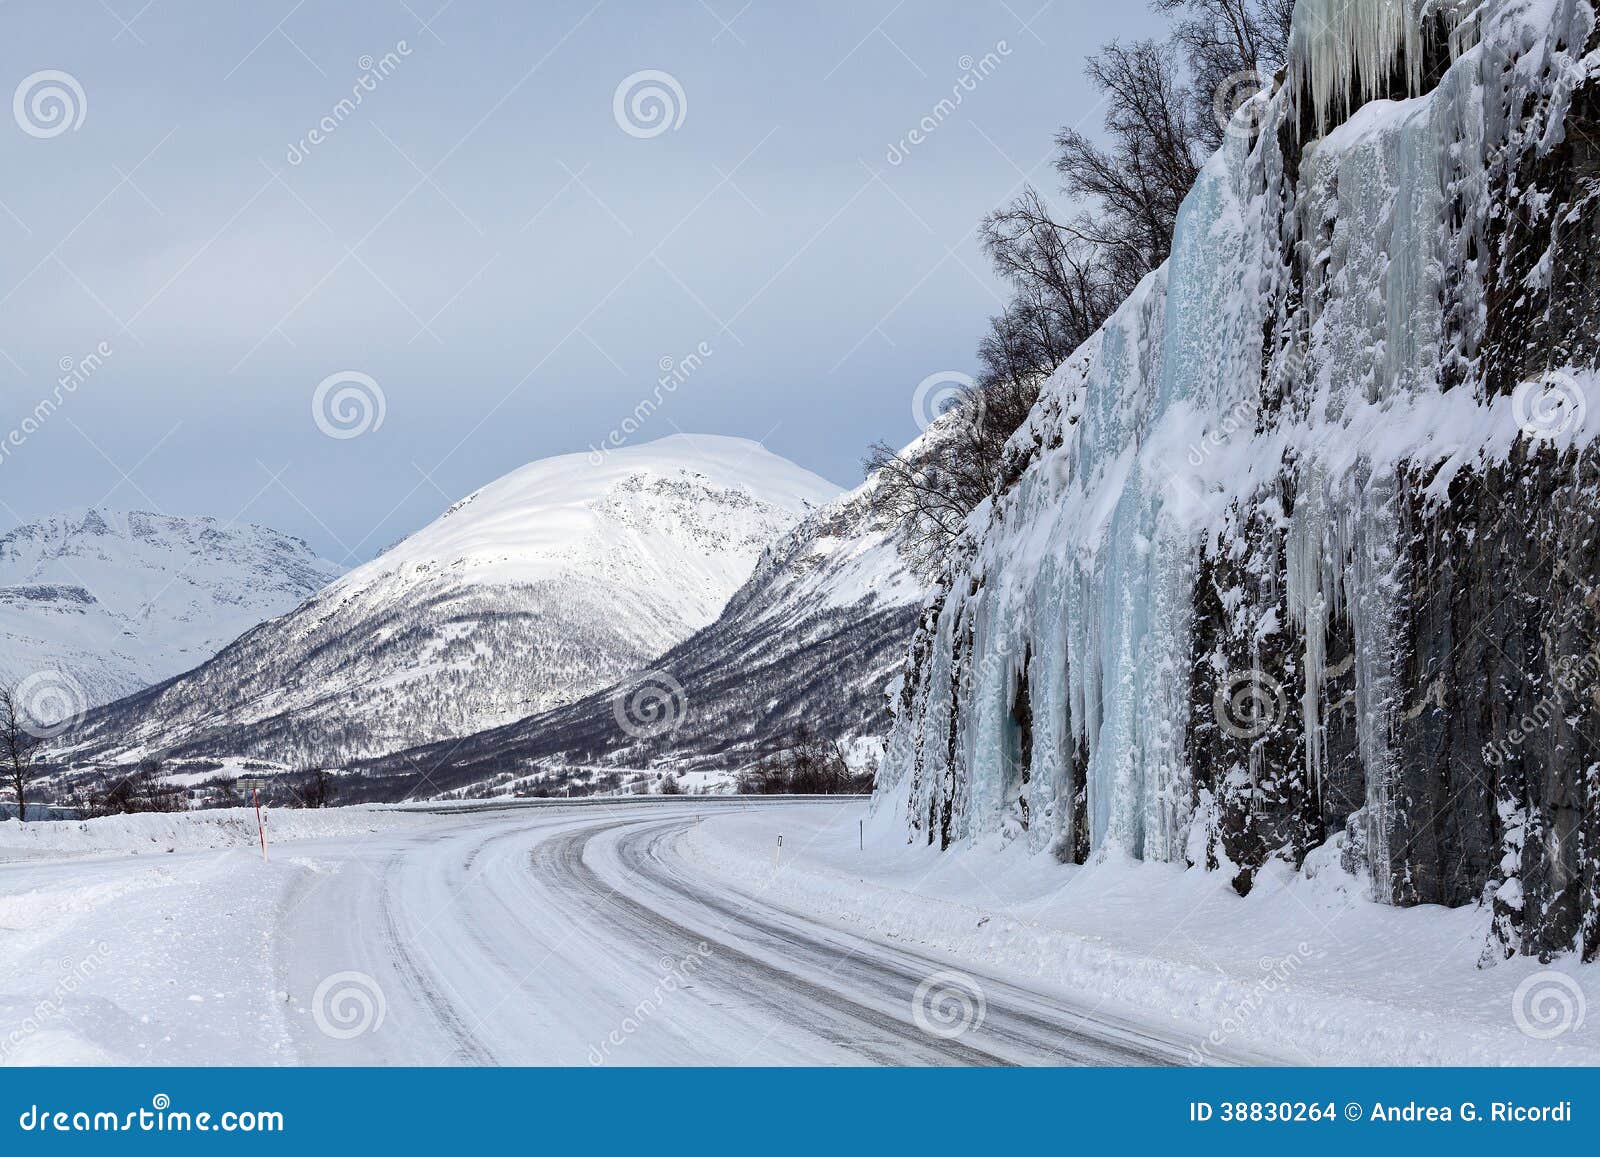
point(541, 586)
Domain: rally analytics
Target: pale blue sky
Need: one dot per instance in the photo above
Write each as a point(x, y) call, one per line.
point(484, 240)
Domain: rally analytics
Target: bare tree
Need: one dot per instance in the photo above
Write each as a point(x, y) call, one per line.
point(1138, 180)
point(1067, 275)
point(1059, 282)
point(1221, 40)
point(19, 749)
point(808, 764)
point(140, 789)
point(316, 788)
point(929, 490)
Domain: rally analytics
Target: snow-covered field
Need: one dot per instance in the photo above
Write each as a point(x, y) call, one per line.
point(676, 931)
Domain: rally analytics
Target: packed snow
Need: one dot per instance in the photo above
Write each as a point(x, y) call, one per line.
point(1306, 970)
point(675, 932)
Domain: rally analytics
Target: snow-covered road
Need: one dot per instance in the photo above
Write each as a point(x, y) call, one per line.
point(516, 936)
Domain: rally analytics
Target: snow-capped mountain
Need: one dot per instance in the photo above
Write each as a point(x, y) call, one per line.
point(816, 634)
point(559, 578)
point(112, 601)
point(1297, 565)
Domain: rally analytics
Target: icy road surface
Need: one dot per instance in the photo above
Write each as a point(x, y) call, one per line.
point(522, 935)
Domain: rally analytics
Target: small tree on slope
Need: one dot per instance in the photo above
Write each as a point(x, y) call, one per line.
point(19, 749)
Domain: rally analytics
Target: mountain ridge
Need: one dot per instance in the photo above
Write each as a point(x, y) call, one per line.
point(116, 600)
point(558, 577)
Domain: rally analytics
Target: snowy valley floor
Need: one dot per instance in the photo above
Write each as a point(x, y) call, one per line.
point(675, 932)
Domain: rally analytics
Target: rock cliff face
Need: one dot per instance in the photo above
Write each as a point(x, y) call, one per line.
point(1301, 547)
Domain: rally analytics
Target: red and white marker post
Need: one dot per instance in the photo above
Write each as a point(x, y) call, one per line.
point(261, 824)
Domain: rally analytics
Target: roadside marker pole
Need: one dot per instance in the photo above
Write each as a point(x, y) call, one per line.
point(861, 833)
point(777, 857)
point(260, 827)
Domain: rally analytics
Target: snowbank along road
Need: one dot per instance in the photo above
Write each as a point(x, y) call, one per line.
point(523, 935)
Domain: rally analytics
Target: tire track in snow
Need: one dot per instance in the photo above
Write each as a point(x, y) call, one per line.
point(800, 1003)
point(472, 1051)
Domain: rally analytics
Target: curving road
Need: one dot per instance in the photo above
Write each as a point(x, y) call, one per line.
point(577, 936)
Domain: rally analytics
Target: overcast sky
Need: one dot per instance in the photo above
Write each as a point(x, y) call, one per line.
point(486, 237)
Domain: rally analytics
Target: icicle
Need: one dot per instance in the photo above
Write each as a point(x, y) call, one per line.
point(1343, 52)
point(1306, 565)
